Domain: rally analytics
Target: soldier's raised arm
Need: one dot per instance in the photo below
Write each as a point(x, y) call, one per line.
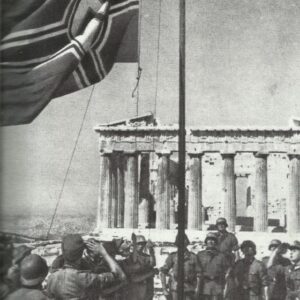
point(98, 248)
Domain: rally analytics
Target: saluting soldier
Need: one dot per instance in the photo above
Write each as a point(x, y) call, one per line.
point(250, 275)
point(139, 268)
point(71, 282)
point(192, 271)
point(276, 265)
point(33, 271)
point(293, 273)
point(215, 269)
point(227, 241)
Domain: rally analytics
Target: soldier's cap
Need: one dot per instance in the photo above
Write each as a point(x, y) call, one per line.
point(248, 244)
point(295, 246)
point(186, 240)
point(72, 247)
point(19, 253)
point(221, 221)
point(140, 239)
point(33, 270)
point(274, 243)
point(211, 236)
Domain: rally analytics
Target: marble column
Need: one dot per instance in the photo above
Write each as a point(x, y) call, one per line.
point(293, 204)
point(229, 192)
point(144, 213)
point(194, 219)
point(120, 188)
point(261, 193)
point(104, 201)
point(163, 192)
point(131, 190)
point(114, 192)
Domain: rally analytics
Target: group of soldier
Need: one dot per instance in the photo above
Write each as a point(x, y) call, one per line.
point(123, 269)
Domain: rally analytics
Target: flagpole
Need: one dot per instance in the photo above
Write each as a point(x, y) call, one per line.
point(181, 150)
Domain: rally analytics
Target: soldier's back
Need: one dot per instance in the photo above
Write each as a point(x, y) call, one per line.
point(27, 294)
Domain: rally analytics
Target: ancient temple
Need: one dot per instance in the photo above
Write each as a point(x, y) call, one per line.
point(249, 175)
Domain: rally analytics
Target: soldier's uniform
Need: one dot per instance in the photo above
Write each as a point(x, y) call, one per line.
point(293, 282)
point(251, 278)
point(214, 266)
point(25, 293)
point(69, 282)
point(192, 270)
point(276, 273)
point(141, 277)
point(227, 242)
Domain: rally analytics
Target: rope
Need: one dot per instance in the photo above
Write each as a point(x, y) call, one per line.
point(70, 162)
point(157, 58)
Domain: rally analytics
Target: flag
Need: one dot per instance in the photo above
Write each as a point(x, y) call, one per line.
point(50, 48)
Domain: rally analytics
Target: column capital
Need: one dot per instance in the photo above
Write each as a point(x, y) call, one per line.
point(261, 154)
point(226, 154)
point(195, 153)
point(293, 155)
point(164, 152)
point(106, 152)
point(130, 152)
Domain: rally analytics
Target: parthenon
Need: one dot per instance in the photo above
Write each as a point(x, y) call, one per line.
point(138, 177)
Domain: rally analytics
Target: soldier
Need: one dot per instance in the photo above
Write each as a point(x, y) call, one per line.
point(33, 271)
point(215, 269)
point(250, 275)
point(293, 273)
point(6, 249)
point(192, 271)
point(139, 267)
point(276, 265)
point(71, 282)
point(13, 274)
point(227, 242)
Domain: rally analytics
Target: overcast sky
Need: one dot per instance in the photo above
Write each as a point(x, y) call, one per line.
point(243, 68)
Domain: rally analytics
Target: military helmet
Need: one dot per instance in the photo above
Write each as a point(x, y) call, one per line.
point(221, 221)
point(247, 244)
point(33, 270)
point(72, 247)
point(140, 239)
point(211, 236)
point(274, 243)
point(295, 246)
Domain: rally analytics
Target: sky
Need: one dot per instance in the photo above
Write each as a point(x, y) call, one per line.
point(242, 68)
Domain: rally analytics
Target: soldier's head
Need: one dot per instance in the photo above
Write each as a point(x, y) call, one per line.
point(124, 248)
point(248, 248)
point(186, 241)
point(72, 248)
point(295, 251)
point(211, 240)
point(274, 244)
point(33, 270)
point(221, 224)
point(140, 243)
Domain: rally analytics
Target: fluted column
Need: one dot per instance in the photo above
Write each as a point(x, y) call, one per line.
point(144, 213)
point(163, 192)
point(194, 220)
point(120, 188)
point(229, 192)
point(293, 205)
point(104, 201)
point(261, 192)
point(114, 192)
point(131, 190)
